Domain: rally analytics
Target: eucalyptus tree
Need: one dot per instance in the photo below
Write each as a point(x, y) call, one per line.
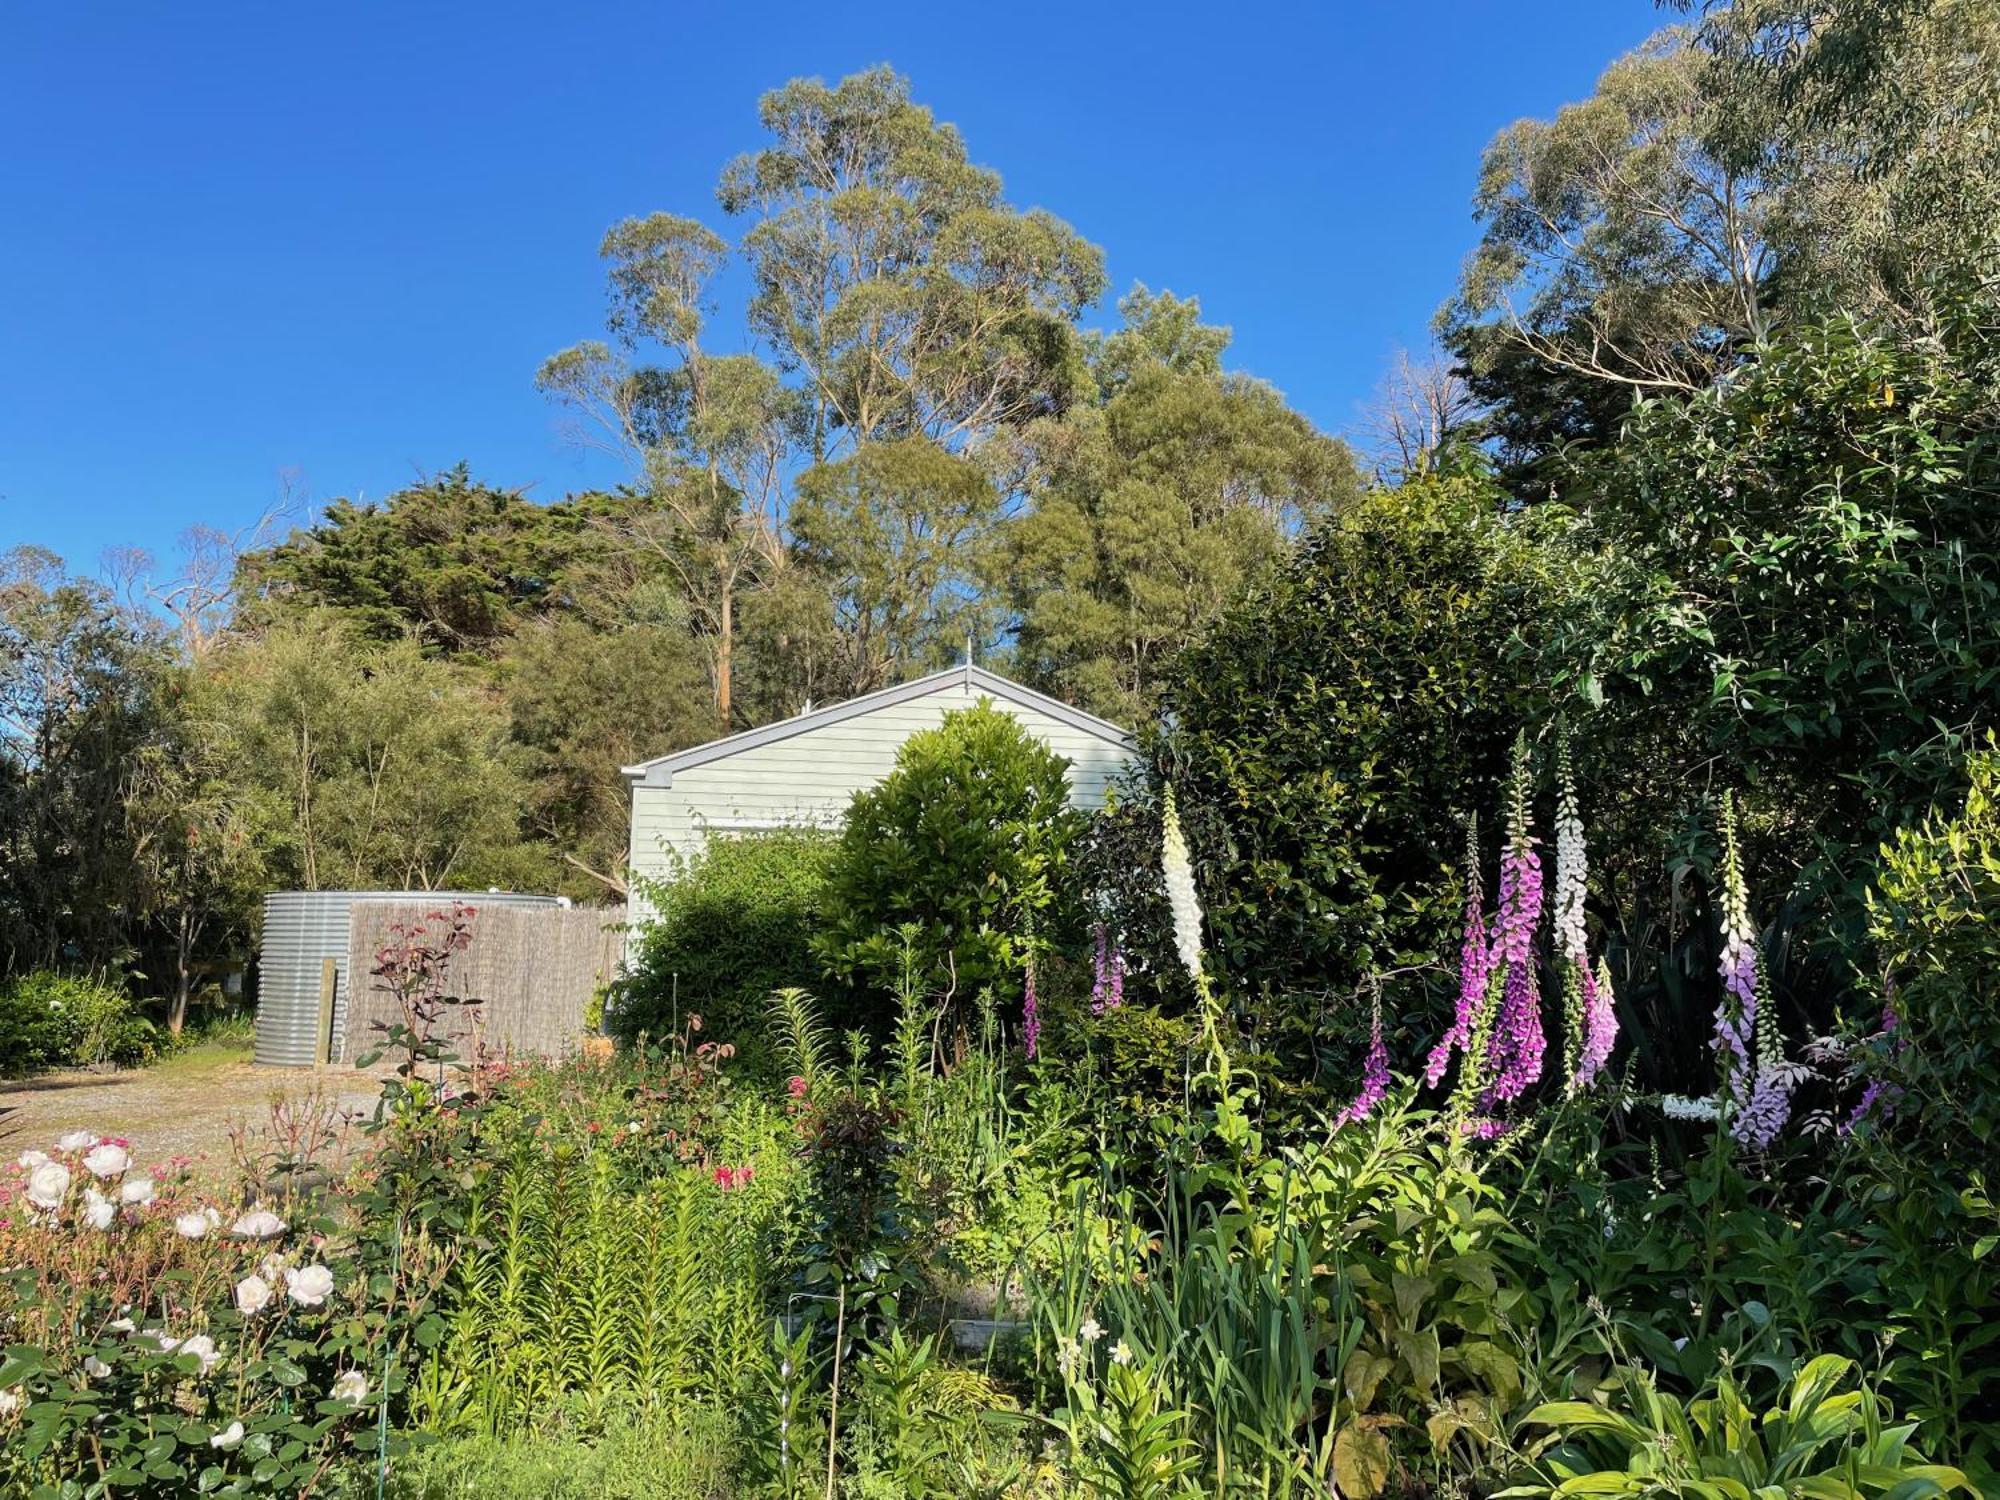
point(904, 527)
point(895, 297)
point(1626, 250)
point(894, 280)
point(712, 435)
point(1779, 160)
point(1155, 503)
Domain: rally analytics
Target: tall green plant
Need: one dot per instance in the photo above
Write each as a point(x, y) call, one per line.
point(968, 839)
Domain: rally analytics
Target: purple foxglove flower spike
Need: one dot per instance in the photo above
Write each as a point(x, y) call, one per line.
point(1736, 1013)
point(1880, 1093)
point(1514, 1055)
point(1374, 1075)
point(1475, 963)
point(1107, 988)
point(1600, 1025)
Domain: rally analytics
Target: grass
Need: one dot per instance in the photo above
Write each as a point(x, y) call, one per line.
point(655, 1457)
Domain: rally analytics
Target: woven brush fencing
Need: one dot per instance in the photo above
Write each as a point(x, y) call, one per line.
point(534, 968)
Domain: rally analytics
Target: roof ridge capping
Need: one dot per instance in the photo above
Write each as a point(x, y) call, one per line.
point(660, 769)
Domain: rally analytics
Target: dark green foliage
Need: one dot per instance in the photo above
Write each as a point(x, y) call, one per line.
point(969, 838)
point(81, 689)
point(456, 562)
point(1807, 583)
point(581, 703)
point(1936, 921)
point(50, 1020)
point(1342, 721)
point(735, 925)
point(1931, 1133)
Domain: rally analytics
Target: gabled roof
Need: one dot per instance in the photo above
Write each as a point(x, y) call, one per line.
point(660, 770)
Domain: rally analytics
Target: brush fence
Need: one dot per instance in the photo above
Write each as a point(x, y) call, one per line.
point(534, 970)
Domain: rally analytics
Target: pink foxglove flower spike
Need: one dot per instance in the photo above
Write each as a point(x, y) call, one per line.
point(1475, 964)
point(1514, 1053)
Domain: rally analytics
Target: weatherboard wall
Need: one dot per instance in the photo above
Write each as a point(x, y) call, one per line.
point(808, 779)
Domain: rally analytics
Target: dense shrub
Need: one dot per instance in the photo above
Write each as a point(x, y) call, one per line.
point(50, 1020)
point(1805, 585)
point(1930, 1116)
point(1343, 720)
point(969, 839)
point(734, 925)
point(1937, 923)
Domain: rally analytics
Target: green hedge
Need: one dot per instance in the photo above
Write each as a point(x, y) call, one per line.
point(50, 1020)
point(737, 923)
point(968, 842)
point(1340, 722)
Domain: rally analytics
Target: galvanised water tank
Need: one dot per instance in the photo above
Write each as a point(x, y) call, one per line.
point(302, 929)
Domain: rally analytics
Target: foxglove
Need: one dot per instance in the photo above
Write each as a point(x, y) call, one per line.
point(1475, 965)
point(1374, 1076)
point(1107, 988)
point(1514, 1055)
point(1755, 1087)
point(1031, 1015)
point(1736, 1012)
point(1178, 868)
point(1879, 1093)
point(1600, 1025)
point(1592, 1023)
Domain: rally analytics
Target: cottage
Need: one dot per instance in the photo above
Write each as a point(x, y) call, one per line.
point(804, 770)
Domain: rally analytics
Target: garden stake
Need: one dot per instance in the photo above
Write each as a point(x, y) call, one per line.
point(833, 1407)
point(382, 1421)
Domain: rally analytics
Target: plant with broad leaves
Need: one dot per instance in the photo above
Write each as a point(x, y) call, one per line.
point(1819, 1442)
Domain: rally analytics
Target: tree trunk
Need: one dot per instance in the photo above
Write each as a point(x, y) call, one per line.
point(725, 647)
point(177, 1013)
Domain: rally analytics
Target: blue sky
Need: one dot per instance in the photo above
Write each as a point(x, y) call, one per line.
point(241, 240)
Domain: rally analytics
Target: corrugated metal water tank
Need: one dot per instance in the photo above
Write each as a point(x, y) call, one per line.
point(302, 929)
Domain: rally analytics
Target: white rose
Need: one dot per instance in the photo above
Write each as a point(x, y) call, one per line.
point(253, 1295)
point(203, 1348)
point(10, 1400)
point(98, 1210)
point(350, 1386)
point(229, 1437)
point(191, 1226)
point(77, 1140)
point(107, 1160)
point(136, 1190)
point(48, 1185)
point(27, 1161)
point(120, 1325)
point(95, 1368)
point(309, 1287)
point(258, 1224)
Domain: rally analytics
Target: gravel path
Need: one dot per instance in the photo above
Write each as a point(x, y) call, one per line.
point(183, 1107)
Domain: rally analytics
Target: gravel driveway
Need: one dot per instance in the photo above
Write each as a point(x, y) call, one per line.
point(183, 1107)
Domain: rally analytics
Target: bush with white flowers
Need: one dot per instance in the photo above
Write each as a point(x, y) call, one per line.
point(159, 1343)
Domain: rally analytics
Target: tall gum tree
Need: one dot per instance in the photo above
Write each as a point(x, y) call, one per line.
point(895, 298)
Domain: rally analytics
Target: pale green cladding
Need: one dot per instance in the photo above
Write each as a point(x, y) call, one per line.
point(805, 770)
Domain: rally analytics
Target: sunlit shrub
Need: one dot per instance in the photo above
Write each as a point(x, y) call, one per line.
point(734, 925)
point(50, 1020)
